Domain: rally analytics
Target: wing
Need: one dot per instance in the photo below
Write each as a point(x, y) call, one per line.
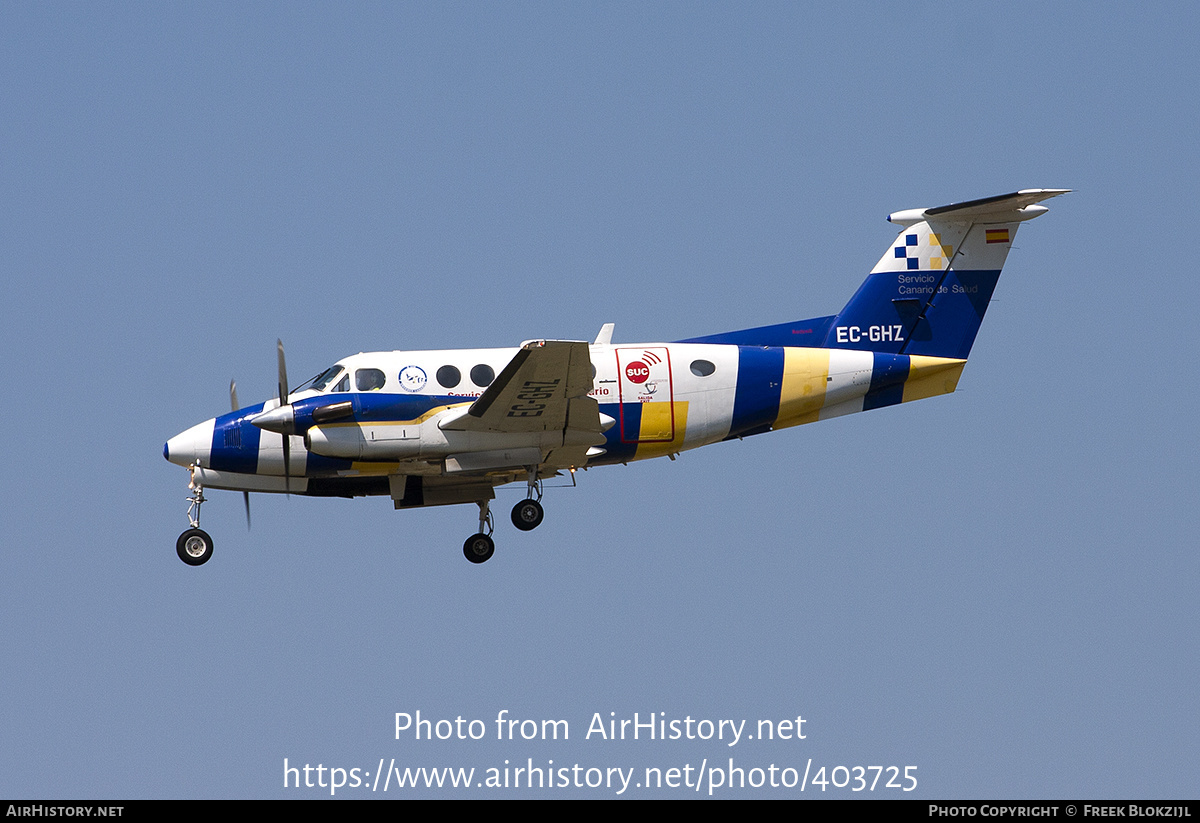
point(543, 388)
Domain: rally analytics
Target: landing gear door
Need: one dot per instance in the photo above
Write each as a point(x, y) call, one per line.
point(647, 398)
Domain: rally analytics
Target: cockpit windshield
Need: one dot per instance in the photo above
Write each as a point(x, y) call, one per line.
point(322, 380)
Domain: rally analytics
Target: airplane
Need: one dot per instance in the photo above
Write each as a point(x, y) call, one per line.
point(433, 428)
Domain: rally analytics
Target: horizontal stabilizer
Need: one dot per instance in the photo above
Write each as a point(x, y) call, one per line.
point(1002, 208)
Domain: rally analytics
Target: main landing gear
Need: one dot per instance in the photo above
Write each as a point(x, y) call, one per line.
point(479, 547)
point(194, 546)
point(527, 515)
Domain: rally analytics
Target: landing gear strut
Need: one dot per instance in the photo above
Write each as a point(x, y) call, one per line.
point(480, 547)
point(194, 546)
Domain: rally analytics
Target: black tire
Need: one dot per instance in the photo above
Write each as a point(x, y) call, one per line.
point(527, 515)
point(194, 547)
point(478, 548)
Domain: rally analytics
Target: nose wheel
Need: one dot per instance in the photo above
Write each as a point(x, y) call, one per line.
point(194, 547)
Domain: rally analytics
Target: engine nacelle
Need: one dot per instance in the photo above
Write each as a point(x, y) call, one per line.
point(425, 440)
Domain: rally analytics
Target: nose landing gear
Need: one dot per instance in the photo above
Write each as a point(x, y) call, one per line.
point(194, 546)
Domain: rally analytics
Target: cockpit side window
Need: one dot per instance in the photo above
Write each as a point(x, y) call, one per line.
point(322, 380)
point(343, 384)
point(368, 379)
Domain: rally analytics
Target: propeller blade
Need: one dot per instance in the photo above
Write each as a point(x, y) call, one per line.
point(287, 463)
point(283, 384)
point(283, 398)
point(233, 401)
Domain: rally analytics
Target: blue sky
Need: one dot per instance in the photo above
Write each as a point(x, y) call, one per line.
point(997, 587)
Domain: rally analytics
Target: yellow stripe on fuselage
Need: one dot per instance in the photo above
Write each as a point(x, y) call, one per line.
point(656, 424)
point(805, 375)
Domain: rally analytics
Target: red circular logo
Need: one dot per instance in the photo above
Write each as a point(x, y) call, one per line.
point(637, 372)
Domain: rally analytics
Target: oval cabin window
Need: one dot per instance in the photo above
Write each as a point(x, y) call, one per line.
point(482, 375)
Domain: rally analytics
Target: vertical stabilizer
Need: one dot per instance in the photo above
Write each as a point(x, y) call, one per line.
point(928, 293)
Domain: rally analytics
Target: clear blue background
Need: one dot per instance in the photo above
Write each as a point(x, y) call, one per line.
point(998, 587)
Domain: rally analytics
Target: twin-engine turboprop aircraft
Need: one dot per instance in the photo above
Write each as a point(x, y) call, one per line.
point(432, 428)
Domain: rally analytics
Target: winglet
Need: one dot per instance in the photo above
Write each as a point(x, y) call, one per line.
point(604, 338)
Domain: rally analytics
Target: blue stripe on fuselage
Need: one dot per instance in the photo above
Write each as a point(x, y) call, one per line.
point(620, 441)
point(393, 407)
point(888, 373)
point(756, 399)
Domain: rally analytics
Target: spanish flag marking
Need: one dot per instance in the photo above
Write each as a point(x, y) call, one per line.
point(997, 235)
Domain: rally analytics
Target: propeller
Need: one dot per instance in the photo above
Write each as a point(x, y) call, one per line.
point(283, 401)
point(233, 401)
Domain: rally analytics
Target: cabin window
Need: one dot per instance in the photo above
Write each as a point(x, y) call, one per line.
point(482, 375)
point(368, 379)
point(702, 368)
point(449, 376)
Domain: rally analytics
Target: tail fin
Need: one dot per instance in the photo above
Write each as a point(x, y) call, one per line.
point(929, 292)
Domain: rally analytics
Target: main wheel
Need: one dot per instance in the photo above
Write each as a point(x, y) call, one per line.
point(527, 515)
point(478, 548)
point(194, 547)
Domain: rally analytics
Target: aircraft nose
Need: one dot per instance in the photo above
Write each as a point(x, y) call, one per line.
point(191, 445)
